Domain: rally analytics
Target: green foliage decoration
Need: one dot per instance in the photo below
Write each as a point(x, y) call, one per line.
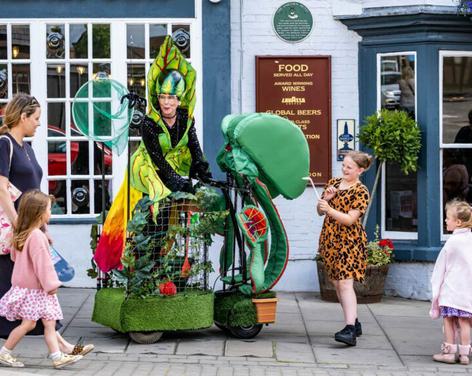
point(143, 271)
point(393, 136)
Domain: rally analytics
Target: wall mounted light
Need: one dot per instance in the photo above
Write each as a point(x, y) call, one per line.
point(80, 70)
point(214, 1)
point(59, 69)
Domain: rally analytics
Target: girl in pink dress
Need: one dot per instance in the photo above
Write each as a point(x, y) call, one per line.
point(451, 281)
point(32, 296)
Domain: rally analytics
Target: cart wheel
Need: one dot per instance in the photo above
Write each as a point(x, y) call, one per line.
point(145, 338)
point(245, 332)
point(222, 327)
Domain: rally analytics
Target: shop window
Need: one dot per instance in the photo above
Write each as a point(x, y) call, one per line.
point(399, 191)
point(72, 53)
point(15, 63)
point(74, 162)
point(456, 130)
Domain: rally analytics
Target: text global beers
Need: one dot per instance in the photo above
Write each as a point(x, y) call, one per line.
point(295, 112)
point(293, 67)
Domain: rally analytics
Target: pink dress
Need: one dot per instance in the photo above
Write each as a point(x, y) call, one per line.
point(32, 279)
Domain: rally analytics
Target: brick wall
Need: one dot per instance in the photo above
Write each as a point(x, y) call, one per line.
point(328, 37)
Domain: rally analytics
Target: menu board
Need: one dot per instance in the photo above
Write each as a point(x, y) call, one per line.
point(299, 89)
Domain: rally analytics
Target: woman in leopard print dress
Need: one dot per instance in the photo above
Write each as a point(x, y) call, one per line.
point(343, 240)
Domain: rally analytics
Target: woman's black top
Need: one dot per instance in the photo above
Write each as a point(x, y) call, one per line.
point(25, 173)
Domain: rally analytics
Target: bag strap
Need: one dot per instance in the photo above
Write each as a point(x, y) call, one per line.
point(11, 152)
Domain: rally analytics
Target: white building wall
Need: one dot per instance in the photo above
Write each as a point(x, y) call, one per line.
point(328, 37)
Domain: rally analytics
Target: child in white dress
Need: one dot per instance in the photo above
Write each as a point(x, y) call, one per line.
point(32, 296)
point(451, 284)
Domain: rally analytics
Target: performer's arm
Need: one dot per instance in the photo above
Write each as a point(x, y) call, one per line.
point(169, 177)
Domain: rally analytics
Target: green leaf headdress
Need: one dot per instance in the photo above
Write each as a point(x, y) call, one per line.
point(170, 58)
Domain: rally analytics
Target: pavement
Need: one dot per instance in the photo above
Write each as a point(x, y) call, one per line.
point(398, 339)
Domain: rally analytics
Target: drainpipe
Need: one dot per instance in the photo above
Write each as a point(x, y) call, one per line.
point(241, 58)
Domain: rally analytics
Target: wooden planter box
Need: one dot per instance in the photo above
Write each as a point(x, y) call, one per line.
point(266, 310)
point(371, 291)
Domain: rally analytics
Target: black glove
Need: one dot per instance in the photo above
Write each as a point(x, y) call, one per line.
point(201, 171)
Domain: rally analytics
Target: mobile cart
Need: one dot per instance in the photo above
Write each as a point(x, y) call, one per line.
point(175, 251)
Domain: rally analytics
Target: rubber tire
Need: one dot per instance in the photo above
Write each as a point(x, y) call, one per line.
point(222, 327)
point(245, 332)
point(145, 338)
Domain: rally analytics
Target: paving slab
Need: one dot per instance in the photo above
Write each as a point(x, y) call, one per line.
point(199, 347)
point(355, 355)
point(363, 342)
point(161, 347)
point(249, 348)
point(294, 352)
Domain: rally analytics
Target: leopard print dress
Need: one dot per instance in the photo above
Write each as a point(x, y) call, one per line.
point(343, 248)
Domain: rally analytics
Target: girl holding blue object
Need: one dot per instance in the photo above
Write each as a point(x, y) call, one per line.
point(18, 166)
point(32, 296)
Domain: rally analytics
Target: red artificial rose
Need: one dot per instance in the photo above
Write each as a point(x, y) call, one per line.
point(168, 288)
point(386, 243)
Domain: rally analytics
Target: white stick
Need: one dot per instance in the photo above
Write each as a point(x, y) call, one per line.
point(313, 185)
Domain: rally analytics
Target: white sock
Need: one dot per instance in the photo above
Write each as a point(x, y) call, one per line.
point(55, 355)
point(4, 350)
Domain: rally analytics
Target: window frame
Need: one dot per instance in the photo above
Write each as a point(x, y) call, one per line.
point(397, 235)
point(118, 64)
point(442, 146)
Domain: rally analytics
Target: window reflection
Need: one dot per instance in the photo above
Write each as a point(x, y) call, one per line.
point(101, 41)
point(3, 42)
point(20, 39)
point(56, 120)
point(397, 92)
point(397, 79)
point(56, 81)
point(78, 41)
point(78, 77)
point(457, 128)
point(80, 197)
point(457, 99)
point(181, 37)
point(55, 42)
point(98, 195)
point(21, 78)
point(135, 41)
point(3, 81)
point(137, 79)
point(157, 33)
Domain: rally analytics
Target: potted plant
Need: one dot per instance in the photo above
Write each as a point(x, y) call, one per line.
point(394, 137)
point(379, 256)
point(266, 307)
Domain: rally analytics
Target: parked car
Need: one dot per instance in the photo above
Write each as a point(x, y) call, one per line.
point(390, 90)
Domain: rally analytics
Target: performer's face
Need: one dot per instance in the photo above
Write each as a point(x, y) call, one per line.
point(168, 104)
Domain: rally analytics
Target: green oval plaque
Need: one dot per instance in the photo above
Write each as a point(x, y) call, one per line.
point(293, 22)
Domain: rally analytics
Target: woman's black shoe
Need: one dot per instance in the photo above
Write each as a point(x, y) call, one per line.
point(347, 335)
point(358, 328)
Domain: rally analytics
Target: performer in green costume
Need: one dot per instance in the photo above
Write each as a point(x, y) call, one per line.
point(167, 157)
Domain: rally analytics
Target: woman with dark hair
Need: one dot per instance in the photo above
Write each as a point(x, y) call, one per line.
point(18, 166)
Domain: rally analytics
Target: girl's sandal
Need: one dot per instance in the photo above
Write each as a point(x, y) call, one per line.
point(81, 349)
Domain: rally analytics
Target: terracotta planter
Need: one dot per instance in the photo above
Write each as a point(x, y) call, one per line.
point(371, 291)
point(266, 310)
